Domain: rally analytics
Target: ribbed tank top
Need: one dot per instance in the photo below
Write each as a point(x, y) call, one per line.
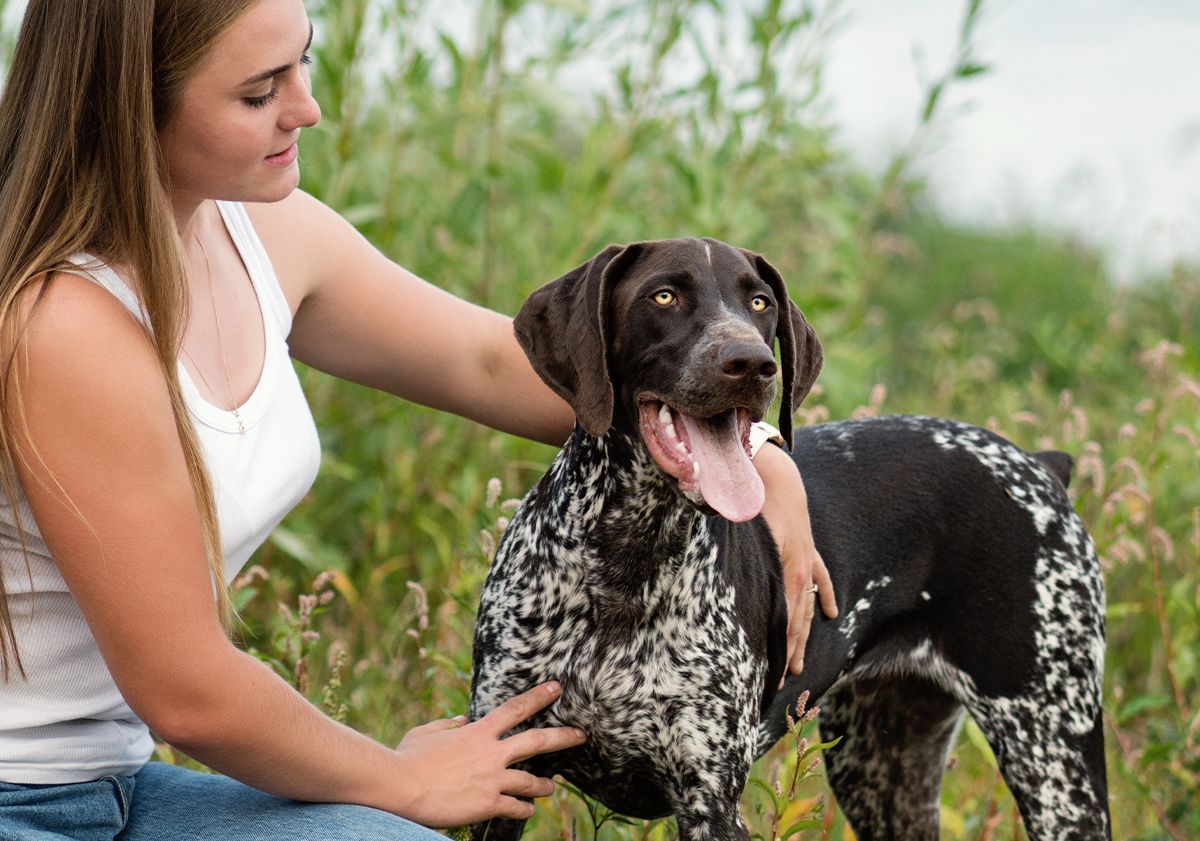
point(67, 722)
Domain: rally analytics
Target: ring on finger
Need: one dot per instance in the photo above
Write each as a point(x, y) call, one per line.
point(813, 589)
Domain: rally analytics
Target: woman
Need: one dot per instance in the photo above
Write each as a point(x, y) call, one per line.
point(157, 263)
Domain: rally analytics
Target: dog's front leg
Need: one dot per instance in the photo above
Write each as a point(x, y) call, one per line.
point(713, 821)
point(497, 829)
point(707, 796)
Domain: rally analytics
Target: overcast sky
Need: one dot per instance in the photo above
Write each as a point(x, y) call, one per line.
point(1089, 119)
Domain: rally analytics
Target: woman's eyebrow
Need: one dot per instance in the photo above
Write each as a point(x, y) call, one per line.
point(275, 71)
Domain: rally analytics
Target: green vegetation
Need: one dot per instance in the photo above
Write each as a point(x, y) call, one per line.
point(493, 156)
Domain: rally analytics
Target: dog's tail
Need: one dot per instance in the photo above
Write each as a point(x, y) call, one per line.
point(1058, 463)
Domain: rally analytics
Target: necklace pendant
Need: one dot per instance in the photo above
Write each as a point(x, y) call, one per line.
point(241, 426)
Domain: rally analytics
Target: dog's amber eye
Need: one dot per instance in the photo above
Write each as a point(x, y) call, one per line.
point(664, 297)
point(759, 303)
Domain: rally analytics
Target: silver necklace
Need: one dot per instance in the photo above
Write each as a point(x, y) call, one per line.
point(220, 341)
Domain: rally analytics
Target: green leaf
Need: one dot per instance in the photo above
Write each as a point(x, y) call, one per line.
point(776, 800)
point(1141, 704)
point(935, 93)
point(822, 746)
point(966, 71)
point(800, 826)
point(315, 556)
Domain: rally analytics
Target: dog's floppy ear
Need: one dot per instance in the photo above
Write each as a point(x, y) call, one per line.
point(799, 350)
point(562, 329)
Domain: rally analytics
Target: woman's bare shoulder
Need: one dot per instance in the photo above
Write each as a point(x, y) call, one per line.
point(306, 241)
point(67, 313)
point(75, 337)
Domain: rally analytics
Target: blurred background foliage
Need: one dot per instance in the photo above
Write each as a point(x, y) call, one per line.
point(492, 145)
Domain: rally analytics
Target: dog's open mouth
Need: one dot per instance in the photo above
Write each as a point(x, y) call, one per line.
point(709, 457)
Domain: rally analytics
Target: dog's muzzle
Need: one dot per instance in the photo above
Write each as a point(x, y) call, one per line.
point(709, 457)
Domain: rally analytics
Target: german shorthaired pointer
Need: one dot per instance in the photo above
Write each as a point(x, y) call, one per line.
point(637, 574)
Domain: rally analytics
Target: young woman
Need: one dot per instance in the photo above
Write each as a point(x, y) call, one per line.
point(157, 266)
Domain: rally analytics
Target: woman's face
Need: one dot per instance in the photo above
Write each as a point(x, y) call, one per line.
point(233, 132)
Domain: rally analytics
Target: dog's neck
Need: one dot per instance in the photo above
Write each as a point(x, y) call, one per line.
point(633, 522)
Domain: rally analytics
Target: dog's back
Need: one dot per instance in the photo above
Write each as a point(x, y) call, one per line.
point(966, 581)
point(915, 517)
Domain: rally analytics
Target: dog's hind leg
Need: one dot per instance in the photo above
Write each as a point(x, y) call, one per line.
point(1048, 735)
point(1056, 774)
point(887, 771)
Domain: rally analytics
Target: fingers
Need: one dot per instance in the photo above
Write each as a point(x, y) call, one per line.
point(523, 784)
point(517, 784)
point(445, 724)
point(543, 740)
point(511, 807)
point(825, 588)
point(437, 726)
point(801, 623)
point(795, 615)
point(520, 707)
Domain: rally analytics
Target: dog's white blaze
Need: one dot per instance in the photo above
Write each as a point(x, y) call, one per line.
point(708, 254)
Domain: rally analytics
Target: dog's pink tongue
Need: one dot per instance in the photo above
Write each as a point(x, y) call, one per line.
point(728, 481)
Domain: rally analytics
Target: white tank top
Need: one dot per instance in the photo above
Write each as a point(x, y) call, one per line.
point(68, 722)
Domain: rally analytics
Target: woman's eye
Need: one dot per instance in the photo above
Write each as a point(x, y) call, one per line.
point(262, 101)
point(664, 298)
point(759, 303)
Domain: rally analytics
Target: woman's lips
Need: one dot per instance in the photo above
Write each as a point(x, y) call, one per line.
point(284, 158)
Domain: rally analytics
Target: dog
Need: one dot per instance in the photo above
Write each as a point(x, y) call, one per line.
point(638, 575)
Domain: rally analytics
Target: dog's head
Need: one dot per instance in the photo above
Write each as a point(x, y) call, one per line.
point(675, 339)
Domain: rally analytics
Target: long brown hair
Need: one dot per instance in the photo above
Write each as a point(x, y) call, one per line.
point(90, 84)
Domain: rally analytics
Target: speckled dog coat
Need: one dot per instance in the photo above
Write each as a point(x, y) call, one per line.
point(965, 579)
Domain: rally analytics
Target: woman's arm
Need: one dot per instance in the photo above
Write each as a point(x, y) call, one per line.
point(104, 473)
point(786, 512)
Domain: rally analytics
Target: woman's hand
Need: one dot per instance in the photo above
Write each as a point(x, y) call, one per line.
point(464, 768)
point(786, 512)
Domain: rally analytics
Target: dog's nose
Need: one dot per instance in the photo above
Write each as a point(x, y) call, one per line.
point(743, 360)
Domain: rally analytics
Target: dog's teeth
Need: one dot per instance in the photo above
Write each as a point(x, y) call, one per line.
point(679, 446)
point(664, 414)
point(671, 431)
point(696, 469)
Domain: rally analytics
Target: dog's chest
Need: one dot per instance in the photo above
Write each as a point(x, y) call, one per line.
point(659, 673)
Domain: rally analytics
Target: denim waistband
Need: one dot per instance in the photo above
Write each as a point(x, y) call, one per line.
point(91, 811)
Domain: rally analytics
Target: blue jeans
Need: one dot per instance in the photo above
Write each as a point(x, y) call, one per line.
point(167, 803)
